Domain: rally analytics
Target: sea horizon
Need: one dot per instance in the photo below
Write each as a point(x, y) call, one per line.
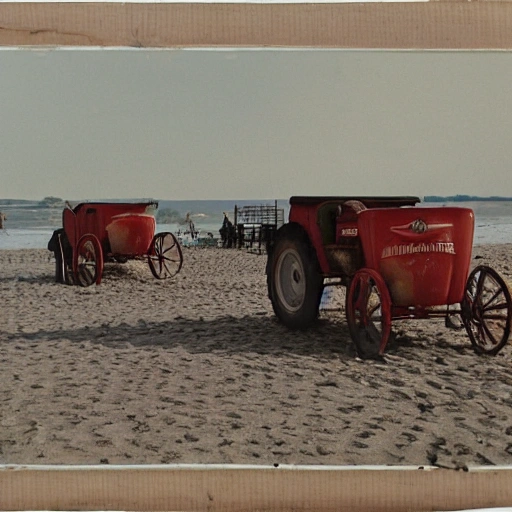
point(30, 226)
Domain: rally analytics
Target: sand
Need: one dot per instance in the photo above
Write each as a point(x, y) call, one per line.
point(198, 370)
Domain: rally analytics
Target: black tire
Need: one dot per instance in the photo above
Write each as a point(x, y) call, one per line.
point(487, 310)
point(294, 280)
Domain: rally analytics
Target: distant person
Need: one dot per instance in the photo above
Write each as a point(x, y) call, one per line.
point(231, 235)
point(191, 227)
point(3, 218)
point(223, 231)
point(227, 232)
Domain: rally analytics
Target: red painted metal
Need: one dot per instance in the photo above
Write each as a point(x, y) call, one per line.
point(96, 232)
point(421, 268)
point(317, 215)
point(423, 254)
point(130, 234)
point(122, 228)
point(399, 261)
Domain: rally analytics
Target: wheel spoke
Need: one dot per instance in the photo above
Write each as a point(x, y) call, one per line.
point(89, 261)
point(169, 249)
point(373, 334)
point(480, 284)
point(490, 300)
point(361, 297)
point(497, 307)
point(167, 269)
point(486, 333)
point(374, 309)
point(497, 317)
point(157, 263)
point(166, 258)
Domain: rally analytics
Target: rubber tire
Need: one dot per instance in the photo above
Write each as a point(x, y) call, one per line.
point(293, 251)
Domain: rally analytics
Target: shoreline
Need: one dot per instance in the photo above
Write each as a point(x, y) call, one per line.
point(198, 370)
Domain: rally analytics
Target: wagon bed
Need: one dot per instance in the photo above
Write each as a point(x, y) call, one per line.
point(96, 232)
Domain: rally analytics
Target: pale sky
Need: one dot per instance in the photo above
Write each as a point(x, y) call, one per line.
point(253, 124)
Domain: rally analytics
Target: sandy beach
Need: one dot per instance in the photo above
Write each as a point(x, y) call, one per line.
point(197, 369)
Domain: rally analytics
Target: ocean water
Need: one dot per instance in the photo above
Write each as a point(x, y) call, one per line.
point(38, 237)
point(493, 231)
point(493, 225)
point(30, 226)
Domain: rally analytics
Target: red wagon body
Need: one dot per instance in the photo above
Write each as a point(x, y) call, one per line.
point(423, 264)
point(397, 260)
point(96, 232)
point(121, 228)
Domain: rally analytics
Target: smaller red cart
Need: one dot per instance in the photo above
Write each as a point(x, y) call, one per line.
point(95, 233)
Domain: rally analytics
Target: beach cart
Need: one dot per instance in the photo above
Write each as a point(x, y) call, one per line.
point(397, 260)
point(95, 233)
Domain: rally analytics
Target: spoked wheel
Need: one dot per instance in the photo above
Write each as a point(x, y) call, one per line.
point(165, 257)
point(487, 310)
point(369, 313)
point(88, 262)
point(294, 279)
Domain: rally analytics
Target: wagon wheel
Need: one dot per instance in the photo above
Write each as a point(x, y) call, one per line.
point(165, 257)
point(368, 311)
point(88, 262)
point(294, 280)
point(487, 310)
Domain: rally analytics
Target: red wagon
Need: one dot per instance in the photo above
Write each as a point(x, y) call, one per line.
point(397, 261)
point(95, 233)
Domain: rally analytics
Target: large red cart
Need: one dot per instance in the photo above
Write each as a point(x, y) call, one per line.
point(397, 261)
point(94, 233)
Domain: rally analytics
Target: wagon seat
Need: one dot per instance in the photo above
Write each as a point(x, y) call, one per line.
point(344, 253)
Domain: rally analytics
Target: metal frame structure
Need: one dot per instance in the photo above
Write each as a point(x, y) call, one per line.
point(256, 225)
